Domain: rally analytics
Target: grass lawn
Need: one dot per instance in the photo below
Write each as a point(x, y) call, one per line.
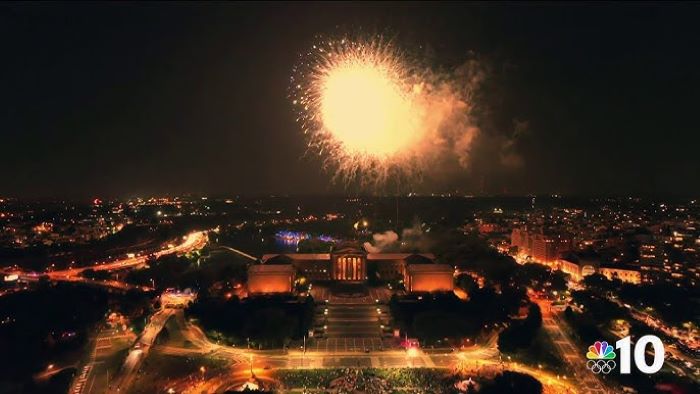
point(160, 369)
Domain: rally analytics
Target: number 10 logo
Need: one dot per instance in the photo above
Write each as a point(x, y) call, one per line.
point(625, 346)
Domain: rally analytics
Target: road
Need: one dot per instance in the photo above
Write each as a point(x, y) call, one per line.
point(658, 324)
point(239, 252)
point(190, 242)
point(680, 362)
point(478, 359)
point(139, 351)
point(94, 372)
point(571, 353)
point(93, 376)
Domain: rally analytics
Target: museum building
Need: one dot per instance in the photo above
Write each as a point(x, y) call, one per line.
point(420, 273)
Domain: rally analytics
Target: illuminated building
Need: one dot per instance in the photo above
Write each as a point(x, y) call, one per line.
point(263, 279)
point(578, 268)
point(541, 247)
point(350, 265)
point(623, 273)
point(429, 278)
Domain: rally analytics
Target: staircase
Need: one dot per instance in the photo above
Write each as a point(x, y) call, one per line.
point(354, 321)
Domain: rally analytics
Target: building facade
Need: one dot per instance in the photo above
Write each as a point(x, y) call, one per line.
point(350, 265)
point(578, 268)
point(268, 279)
point(429, 278)
point(543, 248)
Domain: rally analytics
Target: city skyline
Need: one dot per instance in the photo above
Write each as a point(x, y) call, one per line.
point(346, 197)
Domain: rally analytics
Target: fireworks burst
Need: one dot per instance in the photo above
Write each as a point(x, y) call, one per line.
point(371, 113)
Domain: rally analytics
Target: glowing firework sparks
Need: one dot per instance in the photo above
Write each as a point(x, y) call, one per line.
point(364, 104)
point(371, 112)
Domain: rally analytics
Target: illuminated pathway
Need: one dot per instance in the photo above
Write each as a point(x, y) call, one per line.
point(244, 254)
point(191, 242)
point(140, 350)
point(477, 360)
point(572, 354)
point(658, 324)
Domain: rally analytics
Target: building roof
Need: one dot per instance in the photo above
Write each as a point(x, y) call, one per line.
point(582, 259)
point(273, 268)
point(348, 248)
point(397, 256)
point(442, 268)
point(278, 259)
point(297, 256)
point(420, 259)
point(616, 266)
point(283, 257)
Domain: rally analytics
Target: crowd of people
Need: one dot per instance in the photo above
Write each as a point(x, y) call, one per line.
point(371, 380)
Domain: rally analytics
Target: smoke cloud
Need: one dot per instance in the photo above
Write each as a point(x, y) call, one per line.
point(412, 239)
point(467, 133)
point(382, 242)
point(373, 113)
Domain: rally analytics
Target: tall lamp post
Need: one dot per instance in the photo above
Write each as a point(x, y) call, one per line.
point(303, 353)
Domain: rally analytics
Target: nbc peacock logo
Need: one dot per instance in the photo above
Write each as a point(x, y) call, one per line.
point(600, 358)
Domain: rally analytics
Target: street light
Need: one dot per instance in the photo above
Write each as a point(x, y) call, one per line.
point(411, 352)
point(303, 353)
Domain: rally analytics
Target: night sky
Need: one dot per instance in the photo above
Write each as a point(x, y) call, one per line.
point(139, 99)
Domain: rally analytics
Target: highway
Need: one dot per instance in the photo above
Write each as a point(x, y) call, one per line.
point(139, 351)
point(92, 376)
point(190, 242)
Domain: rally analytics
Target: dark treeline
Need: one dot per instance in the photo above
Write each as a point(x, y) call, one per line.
point(191, 272)
point(42, 326)
point(434, 317)
point(265, 321)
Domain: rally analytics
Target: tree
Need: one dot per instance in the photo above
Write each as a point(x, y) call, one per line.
point(466, 283)
point(473, 253)
point(533, 275)
point(270, 326)
point(534, 317)
point(598, 284)
point(435, 325)
point(95, 275)
point(45, 324)
point(512, 382)
point(559, 281)
point(269, 321)
point(314, 245)
point(520, 334)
